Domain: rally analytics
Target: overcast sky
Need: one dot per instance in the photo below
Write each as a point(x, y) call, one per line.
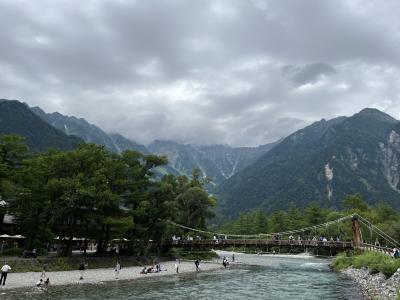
point(237, 72)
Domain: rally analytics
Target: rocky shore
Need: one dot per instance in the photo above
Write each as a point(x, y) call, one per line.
point(375, 286)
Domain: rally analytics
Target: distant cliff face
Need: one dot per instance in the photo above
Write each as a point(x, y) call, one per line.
point(323, 162)
point(218, 162)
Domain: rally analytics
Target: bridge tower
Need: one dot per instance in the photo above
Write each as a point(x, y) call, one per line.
point(356, 232)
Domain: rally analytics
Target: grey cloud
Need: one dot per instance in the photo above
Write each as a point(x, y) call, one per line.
point(228, 71)
point(310, 73)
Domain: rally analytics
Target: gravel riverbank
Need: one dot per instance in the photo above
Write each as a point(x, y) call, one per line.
point(375, 286)
point(93, 276)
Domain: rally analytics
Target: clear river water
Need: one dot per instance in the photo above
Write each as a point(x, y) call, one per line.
point(256, 277)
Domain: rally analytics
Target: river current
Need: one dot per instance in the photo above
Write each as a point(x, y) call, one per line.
point(256, 277)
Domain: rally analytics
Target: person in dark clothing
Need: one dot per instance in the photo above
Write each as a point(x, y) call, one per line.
point(82, 268)
point(197, 264)
point(4, 272)
point(396, 254)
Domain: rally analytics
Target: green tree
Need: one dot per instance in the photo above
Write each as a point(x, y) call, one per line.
point(194, 207)
point(13, 151)
point(355, 203)
point(314, 214)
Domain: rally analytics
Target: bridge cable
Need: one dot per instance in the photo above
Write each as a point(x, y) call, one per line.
point(364, 221)
point(315, 227)
point(386, 237)
point(382, 233)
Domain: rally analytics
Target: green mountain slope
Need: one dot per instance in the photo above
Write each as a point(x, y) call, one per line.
point(323, 162)
point(17, 118)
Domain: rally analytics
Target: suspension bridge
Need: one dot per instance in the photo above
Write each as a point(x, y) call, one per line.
point(306, 237)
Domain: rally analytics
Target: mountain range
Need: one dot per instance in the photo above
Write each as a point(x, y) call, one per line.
point(217, 162)
point(323, 162)
point(90, 133)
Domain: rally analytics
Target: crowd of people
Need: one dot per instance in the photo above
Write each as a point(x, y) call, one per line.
point(314, 240)
point(155, 268)
point(177, 239)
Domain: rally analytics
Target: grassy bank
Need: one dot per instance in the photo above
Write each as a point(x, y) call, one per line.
point(375, 262)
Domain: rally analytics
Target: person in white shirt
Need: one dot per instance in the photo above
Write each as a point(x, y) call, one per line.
point(117, 270)
point(4, 271)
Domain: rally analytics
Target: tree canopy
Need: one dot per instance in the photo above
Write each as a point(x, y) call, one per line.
point(93, 194)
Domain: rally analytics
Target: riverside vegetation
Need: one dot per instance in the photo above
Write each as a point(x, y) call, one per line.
point(375, 262)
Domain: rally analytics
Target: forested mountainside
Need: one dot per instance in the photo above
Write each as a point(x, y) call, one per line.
point(323, 162)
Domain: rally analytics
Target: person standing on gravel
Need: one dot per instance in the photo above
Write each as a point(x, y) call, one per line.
point(4, 272)
point(177, 266)
point(117, 269)
point(82, 268)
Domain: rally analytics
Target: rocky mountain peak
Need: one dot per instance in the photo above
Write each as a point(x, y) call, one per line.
point(373, 113)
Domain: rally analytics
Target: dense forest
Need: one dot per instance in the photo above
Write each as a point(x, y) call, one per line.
point(381, 215)
point(93, 194)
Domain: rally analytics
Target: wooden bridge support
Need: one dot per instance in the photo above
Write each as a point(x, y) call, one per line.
point(356, 232)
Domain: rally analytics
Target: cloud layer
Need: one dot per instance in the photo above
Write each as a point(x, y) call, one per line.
point(238, 72)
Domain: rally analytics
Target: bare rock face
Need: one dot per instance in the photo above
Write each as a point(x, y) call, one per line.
point(218, 162)
point(389, 159)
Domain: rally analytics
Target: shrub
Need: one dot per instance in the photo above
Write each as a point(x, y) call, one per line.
point(341, 262)
point(375, 262)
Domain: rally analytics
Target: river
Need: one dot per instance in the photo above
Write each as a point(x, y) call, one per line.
point(253, 277)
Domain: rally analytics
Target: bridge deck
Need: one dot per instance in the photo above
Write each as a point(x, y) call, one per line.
point(255, 242)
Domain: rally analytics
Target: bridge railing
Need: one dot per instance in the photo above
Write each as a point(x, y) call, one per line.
point(375, 248)
point(255, 242)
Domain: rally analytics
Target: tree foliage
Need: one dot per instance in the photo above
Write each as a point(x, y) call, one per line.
point(93, 194)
